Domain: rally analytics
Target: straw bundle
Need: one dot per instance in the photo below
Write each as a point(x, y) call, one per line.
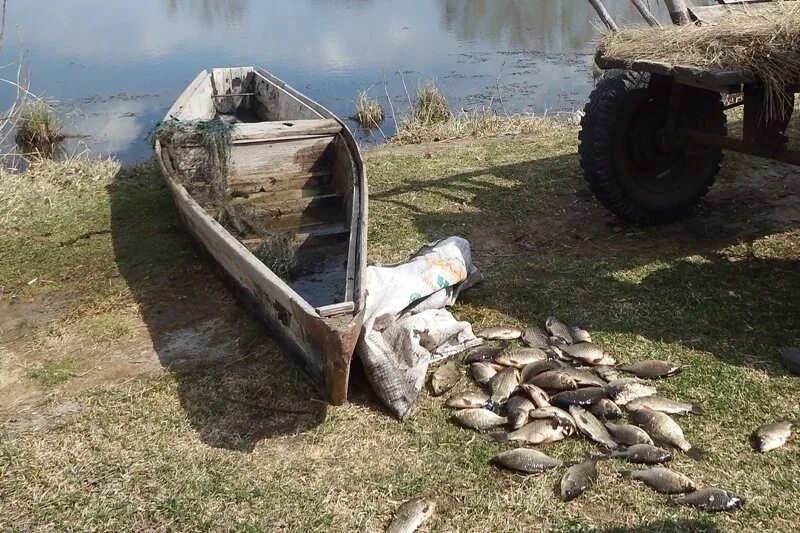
point(766, 43)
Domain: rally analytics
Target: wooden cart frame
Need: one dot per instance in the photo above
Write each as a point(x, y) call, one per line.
point(763, 135)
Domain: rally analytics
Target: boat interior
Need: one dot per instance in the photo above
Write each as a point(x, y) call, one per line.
point(289, 173)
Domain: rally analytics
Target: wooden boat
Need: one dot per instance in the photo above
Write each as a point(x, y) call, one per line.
point(294, 169)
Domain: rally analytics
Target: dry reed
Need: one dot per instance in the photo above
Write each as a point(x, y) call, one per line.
point(432, 107)
point(369, 113)
point(766, 43)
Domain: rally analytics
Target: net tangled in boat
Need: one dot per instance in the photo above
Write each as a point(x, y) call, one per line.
point(766, 43)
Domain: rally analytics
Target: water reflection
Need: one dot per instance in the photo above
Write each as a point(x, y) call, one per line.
point(209, 11)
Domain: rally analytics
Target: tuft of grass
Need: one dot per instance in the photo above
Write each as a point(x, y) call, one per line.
point(279, 254)
point(105, 328)
point(432, 107)
point(369, 113)
point(39, 127)
point(53, 372)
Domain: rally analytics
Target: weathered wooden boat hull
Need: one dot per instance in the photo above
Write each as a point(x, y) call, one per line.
point(324, 334)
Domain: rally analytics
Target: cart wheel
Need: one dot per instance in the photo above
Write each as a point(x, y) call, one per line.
point(629, 169)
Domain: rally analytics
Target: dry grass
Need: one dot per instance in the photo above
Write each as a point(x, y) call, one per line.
point(431, 106)
point(279, 254)
point(369, 113)
point(39, 127)
point(767, 44)
point(477, 124)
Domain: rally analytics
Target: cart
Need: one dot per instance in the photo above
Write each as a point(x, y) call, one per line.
point(652, 135)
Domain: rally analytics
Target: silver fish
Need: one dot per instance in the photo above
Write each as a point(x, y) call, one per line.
point(482, 354)
point(591, 427)
point(605, 409)
point(585, 396)
point(628, 434)
point(537, 395)
point(526, 461)
point(517, 409)
point(625, 390)
point(771, 436)
point(467, 400)
point(578, 479)
point(534, 337)
point(520, 357)
point(558, 329)
point(479, 418)
point(482, 373)
point(412, 514)
point(539, 367)
point(563, 418)
point(503, 384)
point(554, 380)
point(585, 352)
point(584, 378)
point(664, 405)
point(607, 372)
point(664, 430)
point(445, 378)
point(661, 480)
point(711, 499)
point(651, 369)
point(500, 333)
point(644, 454)
point(580, 335)
point(538, 431)
point(606, 360)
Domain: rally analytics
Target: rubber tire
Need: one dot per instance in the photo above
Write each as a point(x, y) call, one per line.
point(605, 134)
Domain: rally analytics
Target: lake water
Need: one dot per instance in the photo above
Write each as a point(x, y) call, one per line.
point(116, 66)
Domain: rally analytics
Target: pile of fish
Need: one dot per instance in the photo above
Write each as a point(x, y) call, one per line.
point(559, 385)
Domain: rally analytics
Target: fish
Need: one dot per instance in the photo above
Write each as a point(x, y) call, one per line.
point(558, 329)
point(625, 390)
point(580, 335)
point(554, 380)
point(534, 337)
point(664, 405)
point(584, 378)
point(585, 396)
point(482, 373)
point(791, 359)
point(479, 418)
point(538, 431)
point(771, 436)
point(585, 352)
point(591, 427)
point(643, 454)
point(606, 360)
point(605, 409)
point(500, 333)
point(481, 354)
point(412, 514)
point(711, 499)
point(539, 397)
point(467, 400)
point(661, 480)
point(536, 368)
point(563, 418)
point(664, 430)
point(651, 369)
point(503, 384)
point(628, 434)
point(520, 357)
point(517, 409)
point(578, 479)
point(526, 461)
point(607, 372)
point(445, 378)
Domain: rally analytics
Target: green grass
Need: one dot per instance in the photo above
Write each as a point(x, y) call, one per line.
point(243, 446)
point(53, 372)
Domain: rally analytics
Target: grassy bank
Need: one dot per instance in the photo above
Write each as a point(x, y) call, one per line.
point(217, 430)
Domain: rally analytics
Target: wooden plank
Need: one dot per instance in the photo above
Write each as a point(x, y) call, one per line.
point(195, 102)
point(716, 80)
point(264, 202)
point(275, 159)
point(294, 181)
point(231, 81)
point(277, 104)
point(321, 234)
point(259, 131)
point(336, 309)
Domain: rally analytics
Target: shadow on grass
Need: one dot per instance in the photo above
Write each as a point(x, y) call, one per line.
point(679, 525)
point(235, 383)
point(716, 281)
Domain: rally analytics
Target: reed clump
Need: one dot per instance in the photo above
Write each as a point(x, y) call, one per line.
point(766, 43)
point(369, 113)
point(432, 106)
point(39, 127)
